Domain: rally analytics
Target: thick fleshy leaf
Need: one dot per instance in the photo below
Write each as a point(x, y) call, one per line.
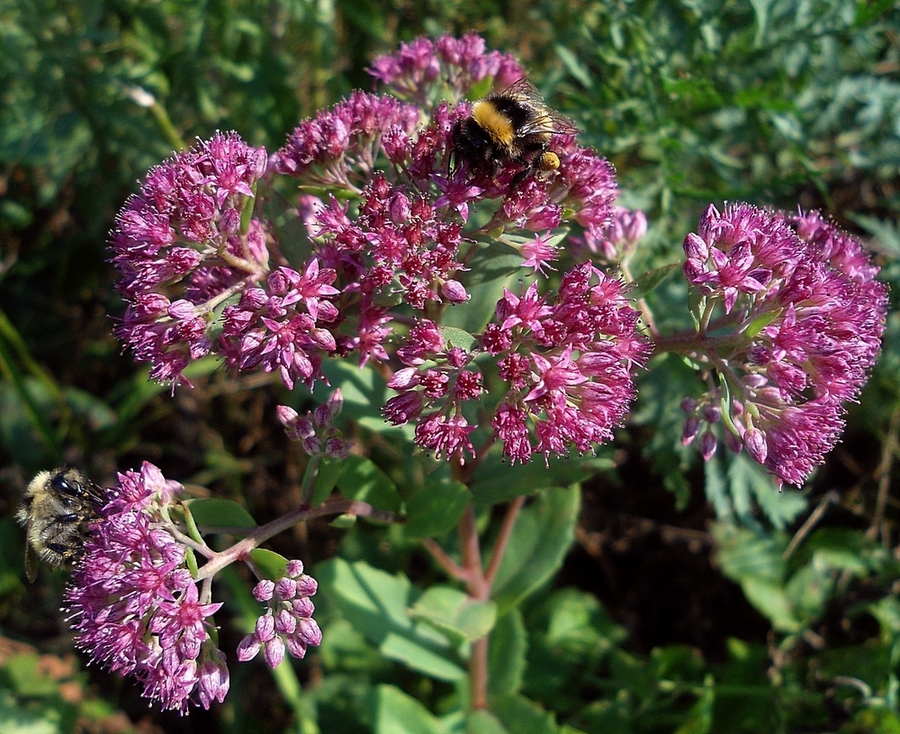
point(215, 512)
point(391, 711)
point(271, 564)
point(361, 479)
point(543, 533)
point(496, 481)
point(376, 603)
point(453, 611)
point(436, 509)
point(506, 654)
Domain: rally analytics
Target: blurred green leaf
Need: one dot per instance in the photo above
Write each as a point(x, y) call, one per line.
point(542, 535)
point(376, 603)
point(651, 280)
point(506, 654)
point(361, 479)
point(436, 509)
point(521, 716)
point(484, 722)
point(327, 475)
point(453, 611)
point(215, 512)
point(392, 711)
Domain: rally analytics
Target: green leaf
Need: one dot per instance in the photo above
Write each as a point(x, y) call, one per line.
point(760, 322)
point(93, 410)
point(841, 549)
point(457, 337)
point(652, 279)
point(521, 716)
point(344, 521)
point(506, 654)
point(575, 66)
point(436, 508)
point(24, 675)
point(742, 553)
point(756, 563)
point(271, 564)
point(492, 269)
point(376, 603)
point(542, 535)
point(874, 719)
point(364, 391)
point(773, 603)
point(361, 479)
point(484, 722)
point(391, 711)
point(419, 657)
point(453, 611)
point(329, 470)
point(214, 512)
point(749, 483)
point(496, 481)
point(579, 626)
point(700, 716)
point(887, 611)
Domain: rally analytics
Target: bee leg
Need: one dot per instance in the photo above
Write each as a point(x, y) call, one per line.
point(67, 519)
point(63, 555)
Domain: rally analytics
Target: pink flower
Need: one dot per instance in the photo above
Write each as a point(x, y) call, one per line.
point(566, 360)
point(803, 326)
point(135, 608)
point(411, 72)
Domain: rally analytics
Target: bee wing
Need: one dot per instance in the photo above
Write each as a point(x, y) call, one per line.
point(31, 558)
point(523, 89)
point(546, 120)
point(550, 122)
point(562, 125)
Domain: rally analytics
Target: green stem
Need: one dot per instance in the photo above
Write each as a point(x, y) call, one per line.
point(691, 343)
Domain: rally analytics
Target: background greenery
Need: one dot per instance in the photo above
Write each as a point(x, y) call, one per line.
point(692, 598)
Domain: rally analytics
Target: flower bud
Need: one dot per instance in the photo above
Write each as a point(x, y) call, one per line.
point(248, 648)
point(230, 221)
point(708, 444)
point(263, 590)
point(265, 628)
point(695, 248)
point(274, 652)
point(755, 441)
point(691, 429)
point(733, 442)
point(454, 292)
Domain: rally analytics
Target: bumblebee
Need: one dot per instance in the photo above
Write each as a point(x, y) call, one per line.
point(510, 127)
point(57, 507)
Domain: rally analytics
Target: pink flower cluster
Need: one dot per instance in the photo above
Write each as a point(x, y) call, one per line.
point(340, 146)
point(801, 325)
point(287, 622)
point(183, 234)
point(566, 362)
point(315, 431)
point(451, 65)
point(389, 242)
point(283, 324)
point(134, 605)
point(614, 241)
